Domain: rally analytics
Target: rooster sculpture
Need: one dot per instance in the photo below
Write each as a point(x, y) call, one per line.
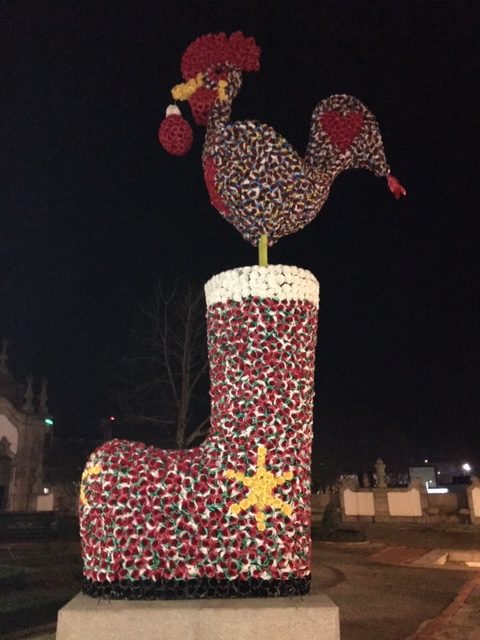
point(255, 178)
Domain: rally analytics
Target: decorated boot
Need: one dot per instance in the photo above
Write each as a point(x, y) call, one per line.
point(231, 517)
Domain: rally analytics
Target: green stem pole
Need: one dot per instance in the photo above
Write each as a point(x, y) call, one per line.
point(263, 250)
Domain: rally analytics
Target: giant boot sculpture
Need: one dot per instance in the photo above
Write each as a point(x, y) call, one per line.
point(231, 517)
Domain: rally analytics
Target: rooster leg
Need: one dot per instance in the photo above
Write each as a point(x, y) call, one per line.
point(263, 250)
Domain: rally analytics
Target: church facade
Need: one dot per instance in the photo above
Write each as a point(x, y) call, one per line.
point(23, 435)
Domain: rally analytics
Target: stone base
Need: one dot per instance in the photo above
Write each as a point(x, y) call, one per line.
point(312, 617)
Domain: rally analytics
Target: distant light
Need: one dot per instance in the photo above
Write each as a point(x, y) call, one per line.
point(48, 422)
point(46, 491)
point(425, 461)
point(112, 418)
point(466, 467)
point(438, 473)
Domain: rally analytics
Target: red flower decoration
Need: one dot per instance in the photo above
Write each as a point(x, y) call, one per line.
point(342, 129)
point(201, 103)
point(213, 49)
point(175, 134)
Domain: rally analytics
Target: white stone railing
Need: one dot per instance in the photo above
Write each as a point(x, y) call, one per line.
point(383, 504)
point(358, 503)
point(404, 503)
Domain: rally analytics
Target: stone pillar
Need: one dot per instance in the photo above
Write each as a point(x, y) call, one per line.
point(380, 471)
point(28, 404)
point(473, 493)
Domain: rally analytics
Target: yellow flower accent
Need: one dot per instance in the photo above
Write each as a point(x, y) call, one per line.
point(91, 471)
point(261, 486)
point(222, 90)
point(186, 89)
point(235, 508)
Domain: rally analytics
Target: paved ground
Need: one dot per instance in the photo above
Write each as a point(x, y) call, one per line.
point(383, 601)
point(386, 595)
point(383, 595)
point(464, 624)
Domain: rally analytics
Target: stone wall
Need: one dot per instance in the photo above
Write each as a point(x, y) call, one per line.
point(319, 502)
point(22, 438)
point(412, 504)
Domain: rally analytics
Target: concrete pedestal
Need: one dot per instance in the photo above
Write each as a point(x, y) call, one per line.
point(312, 617)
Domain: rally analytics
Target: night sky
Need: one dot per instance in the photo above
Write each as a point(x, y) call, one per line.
point(93, 211)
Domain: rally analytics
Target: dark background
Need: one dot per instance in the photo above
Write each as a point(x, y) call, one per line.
point(93, 211)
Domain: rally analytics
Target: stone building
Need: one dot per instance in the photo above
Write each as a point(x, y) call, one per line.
point(23, 433)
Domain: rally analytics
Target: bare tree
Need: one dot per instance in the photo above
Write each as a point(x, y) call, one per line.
point(167, 375)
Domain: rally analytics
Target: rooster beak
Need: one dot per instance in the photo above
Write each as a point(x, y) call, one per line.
point(185, 90)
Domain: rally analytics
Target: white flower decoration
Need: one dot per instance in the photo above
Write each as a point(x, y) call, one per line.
point(279, 282)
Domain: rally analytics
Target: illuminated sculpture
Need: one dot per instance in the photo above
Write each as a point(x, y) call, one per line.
point(232, 517)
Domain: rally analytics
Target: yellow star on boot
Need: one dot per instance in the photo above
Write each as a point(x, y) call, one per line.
point(261, 486)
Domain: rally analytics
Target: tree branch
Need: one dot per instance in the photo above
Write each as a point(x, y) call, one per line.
point(201, 430)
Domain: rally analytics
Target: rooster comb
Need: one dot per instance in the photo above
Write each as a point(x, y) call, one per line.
point(237, 50)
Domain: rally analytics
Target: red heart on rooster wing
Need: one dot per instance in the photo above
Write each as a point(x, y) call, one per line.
point(342, 129)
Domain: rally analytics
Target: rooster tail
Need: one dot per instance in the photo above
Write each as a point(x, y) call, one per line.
point(395, 187)
point(345, 135)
